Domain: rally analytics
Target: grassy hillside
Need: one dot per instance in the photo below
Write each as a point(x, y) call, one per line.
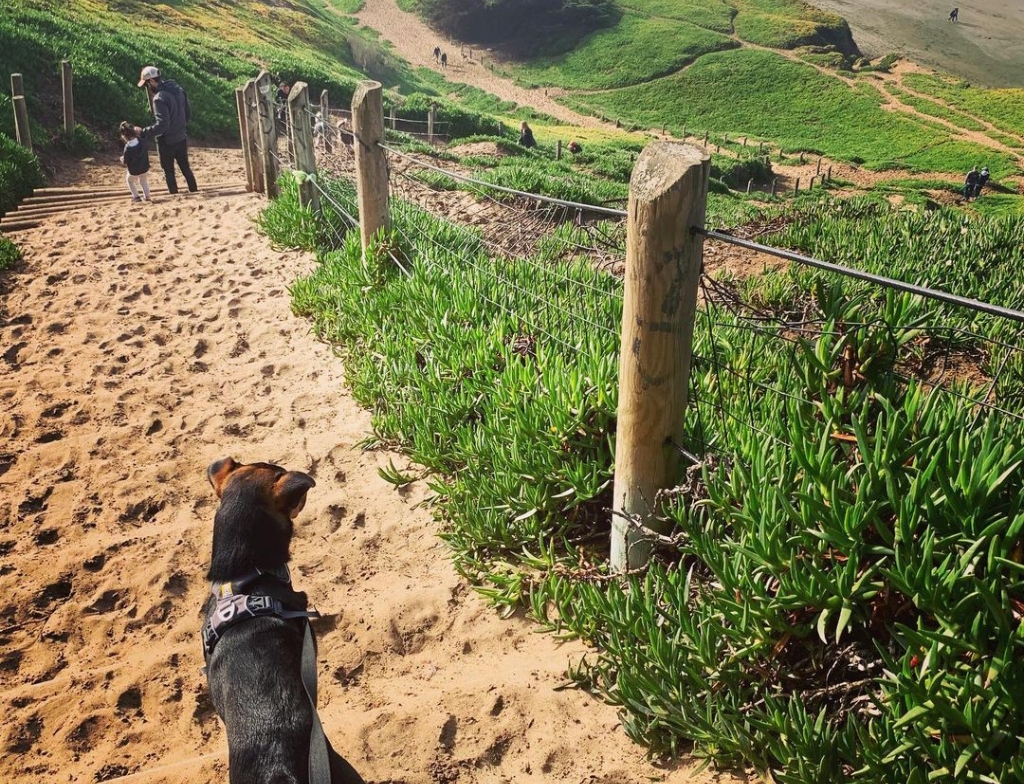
point(209, 48)
point(784, 72)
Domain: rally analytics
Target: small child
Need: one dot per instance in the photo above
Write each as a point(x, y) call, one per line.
point(136, 160)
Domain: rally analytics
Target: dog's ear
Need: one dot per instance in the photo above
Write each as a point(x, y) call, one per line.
point(290, 492)
point(218, 473)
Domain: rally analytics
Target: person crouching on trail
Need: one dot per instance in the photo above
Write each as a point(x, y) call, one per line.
point(172, 113)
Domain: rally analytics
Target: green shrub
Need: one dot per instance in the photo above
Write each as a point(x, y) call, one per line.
point(10, 254)
point(20, 173)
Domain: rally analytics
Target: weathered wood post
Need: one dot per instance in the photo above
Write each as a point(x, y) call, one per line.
point(371, 165)
point(431, 117)
point(750, 184)
point(301, 129)
point(810, 185)
point(328, 126)
point(667, 199)
point(22, 132)
point(558, 150)
point(818, 170)
point(392, 117)
point(268, 134)
point(706, 133)
point(775, 183)
point(69, 97)
point(829, 174)
point(243, 133)
point(796, 186)
point(255, 142)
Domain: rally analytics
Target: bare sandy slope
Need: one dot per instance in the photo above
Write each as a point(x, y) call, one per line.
point(139, 345)
point(986, 46)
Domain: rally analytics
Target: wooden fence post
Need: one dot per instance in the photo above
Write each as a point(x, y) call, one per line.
point(818, 170)
point(431, 117)
point(796, 186)
point(750, 184)
point(268, 133)
point(243, 132)
point(371, 165)
point(393, 117)
point(69, 97)
point(558, 150)
point(328, 126)
point(22, 132)
point(667, 199)
point(829, 174)
point(301, 129)
point(775, 182)
point(255, 141)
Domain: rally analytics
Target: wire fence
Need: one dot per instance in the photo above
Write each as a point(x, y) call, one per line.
point(764, 344)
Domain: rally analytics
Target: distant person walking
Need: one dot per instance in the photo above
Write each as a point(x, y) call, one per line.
point(526, 136)
point(971, 183)
point(437, 54)
point(954, 15)
point(136, 160)
point(172, 113)
point(444, 61)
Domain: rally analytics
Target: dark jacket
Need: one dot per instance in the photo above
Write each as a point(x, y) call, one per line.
point(172, 111)
point(526, 138)
point(136, 157)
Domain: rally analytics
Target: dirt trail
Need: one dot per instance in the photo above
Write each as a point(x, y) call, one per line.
point(415, 42)
point(141, 343)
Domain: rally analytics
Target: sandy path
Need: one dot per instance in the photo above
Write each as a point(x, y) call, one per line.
point(415, 42)
point(140, 345)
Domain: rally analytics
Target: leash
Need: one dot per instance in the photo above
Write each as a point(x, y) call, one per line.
point(319, 759)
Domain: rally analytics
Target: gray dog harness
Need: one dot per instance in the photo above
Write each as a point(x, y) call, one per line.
point(233, 606)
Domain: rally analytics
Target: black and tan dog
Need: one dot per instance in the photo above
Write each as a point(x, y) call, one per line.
point(260, 657)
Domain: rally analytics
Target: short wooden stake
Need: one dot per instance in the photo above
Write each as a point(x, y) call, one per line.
point(392, 117)
point(301, 130)
point(750, 184)
point(371, 165)
point(431, 117)
point(328, 126)
point(667, 199)
point(558, 150)
point(69, 97)
point(775, 182)
point(818, 170)
point(830, 174)
point(21, 127)
point(796, 186)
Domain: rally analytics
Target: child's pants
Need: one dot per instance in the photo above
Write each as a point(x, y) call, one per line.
point(137, 182)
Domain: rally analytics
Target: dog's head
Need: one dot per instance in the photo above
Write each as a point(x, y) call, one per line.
point(253, 525)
